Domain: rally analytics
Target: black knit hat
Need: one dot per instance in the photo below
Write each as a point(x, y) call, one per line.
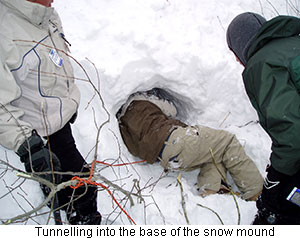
point(241, 33)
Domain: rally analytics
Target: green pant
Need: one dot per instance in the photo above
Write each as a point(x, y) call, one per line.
point(202, 147)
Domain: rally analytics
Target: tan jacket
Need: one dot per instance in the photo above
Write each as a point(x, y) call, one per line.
point(36, 76)
point(145, 128)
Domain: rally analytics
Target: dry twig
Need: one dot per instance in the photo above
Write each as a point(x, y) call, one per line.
point(182, 199)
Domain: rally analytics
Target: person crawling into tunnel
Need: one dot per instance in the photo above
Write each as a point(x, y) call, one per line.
point(151, 130)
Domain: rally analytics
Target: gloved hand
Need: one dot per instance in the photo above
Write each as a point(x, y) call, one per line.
point(33, 152)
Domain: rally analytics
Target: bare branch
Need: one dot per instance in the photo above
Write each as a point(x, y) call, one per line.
point(54, 190)
point(182, 199)
point(221, 221)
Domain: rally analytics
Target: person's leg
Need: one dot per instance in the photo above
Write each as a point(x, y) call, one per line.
point(210, 178)
point(273, 206)
point(222, 147)
point(182, 146)
point(63, 145)
point(188, 148)
point(242, 169)
point(199, 145)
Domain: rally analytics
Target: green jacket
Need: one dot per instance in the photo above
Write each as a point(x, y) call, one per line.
point(272, 82)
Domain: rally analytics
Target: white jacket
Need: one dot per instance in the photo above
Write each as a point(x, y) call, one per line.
point(36, 76)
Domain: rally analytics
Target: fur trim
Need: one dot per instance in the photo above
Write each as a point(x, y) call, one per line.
point(166, 106)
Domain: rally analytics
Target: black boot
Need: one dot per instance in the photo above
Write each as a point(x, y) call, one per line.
point(90, 219)
point(84, 211)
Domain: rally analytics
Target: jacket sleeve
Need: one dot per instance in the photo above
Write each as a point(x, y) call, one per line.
point(13, 130)
point(277, 101)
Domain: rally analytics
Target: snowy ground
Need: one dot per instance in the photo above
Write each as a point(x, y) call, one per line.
point(136, 45)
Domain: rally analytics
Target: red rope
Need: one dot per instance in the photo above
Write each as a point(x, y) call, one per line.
point(82, 181)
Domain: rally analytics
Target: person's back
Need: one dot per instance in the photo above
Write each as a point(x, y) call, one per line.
point(270, 79)
point(271, 56)
point(145, 127)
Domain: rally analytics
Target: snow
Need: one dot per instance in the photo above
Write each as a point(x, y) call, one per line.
point(136, 45)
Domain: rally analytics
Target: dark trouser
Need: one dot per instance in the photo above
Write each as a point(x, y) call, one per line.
point(62, 144)
point(273, 206)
